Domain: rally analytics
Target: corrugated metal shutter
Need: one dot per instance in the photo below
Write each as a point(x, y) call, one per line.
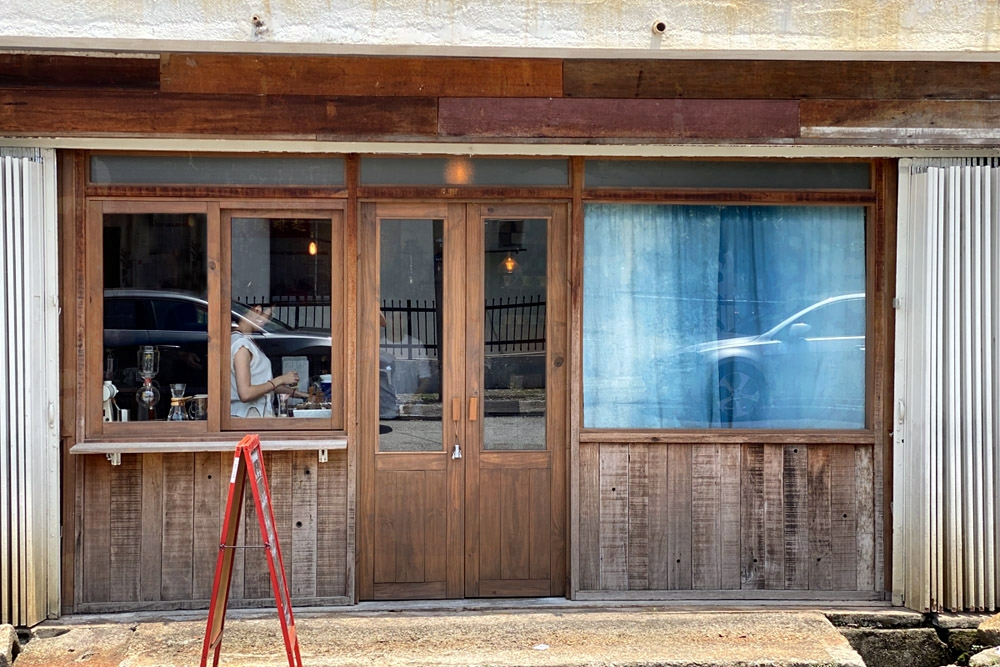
point(947, 385)
point(29, 436)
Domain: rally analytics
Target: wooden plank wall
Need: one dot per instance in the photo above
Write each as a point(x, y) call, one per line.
point(743, 520)
point(521, 100)
point(150, 531)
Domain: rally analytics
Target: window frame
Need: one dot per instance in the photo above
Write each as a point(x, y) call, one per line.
point(217, 427)
point(873, 200)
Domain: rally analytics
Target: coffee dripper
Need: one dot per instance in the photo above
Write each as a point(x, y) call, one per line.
point(178, 411)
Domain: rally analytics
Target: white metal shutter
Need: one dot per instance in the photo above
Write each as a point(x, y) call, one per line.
point(947, 385)
point(29, 435)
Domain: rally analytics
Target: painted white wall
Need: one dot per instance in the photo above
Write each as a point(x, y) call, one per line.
point(953, 28)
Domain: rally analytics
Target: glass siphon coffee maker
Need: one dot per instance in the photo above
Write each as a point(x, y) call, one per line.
point(178, 410)
point(148, 394)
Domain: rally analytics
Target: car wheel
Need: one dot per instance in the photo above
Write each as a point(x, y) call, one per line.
point(741, 393)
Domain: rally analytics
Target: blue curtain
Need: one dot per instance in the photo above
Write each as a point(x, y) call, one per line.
point(723, 316)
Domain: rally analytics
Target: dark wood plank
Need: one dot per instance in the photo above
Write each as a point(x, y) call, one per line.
point(388, 500)
point(151, 568)
point(779, 79)
point(795, 502)
point(84, 113)
point(301, 553)
point(489, 524)
point(50, 71)
point(865, 499)
point(435, 590)
point(614, 517)
point(730, 472)
point(126, 528)
point(674, 119)
point(843, 519)
point(517, 588)
point(539, 511)
point(660, 536)
point(590, 518)
point(209, 478)
point(900, 114)
point(706, 517)
point(436, 559)
point(820, 548)
point(256, 577)
point(360, 75)
point(774, 517)
point(638, 517)
point(752, 517)
point(679, 519)
point(331, 525)
point(515, 525)
point(178, 526)
point(279, 475)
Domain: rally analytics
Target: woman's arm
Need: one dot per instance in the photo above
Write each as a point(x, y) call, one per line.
point(246, 390)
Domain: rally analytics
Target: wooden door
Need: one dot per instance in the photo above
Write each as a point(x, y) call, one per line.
point(461, 474)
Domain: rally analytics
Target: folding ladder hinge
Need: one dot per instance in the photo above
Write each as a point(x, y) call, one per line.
point(115, 458)
point(324, 456)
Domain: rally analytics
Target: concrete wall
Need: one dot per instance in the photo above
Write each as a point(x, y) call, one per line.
point(951, 28)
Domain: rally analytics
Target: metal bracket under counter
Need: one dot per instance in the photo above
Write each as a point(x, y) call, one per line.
point(114, 450)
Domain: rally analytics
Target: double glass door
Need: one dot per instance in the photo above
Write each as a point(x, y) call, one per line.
point(463, 413)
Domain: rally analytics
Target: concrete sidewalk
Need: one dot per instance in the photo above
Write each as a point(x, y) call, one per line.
point(560, 635)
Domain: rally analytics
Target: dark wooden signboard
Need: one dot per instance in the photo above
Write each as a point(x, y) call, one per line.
point(249, 458)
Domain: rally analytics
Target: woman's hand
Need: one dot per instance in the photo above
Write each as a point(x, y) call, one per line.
point(290, 379)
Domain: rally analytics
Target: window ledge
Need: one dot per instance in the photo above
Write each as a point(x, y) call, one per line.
point(114, 449)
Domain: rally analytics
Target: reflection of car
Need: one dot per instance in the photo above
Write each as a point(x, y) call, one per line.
point(177, 323)
point(810, 365)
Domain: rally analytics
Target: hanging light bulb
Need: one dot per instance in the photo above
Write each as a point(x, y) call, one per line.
point(509, 264)
point(312, 248)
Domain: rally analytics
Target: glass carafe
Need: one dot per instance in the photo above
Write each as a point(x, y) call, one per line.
point(178, 411)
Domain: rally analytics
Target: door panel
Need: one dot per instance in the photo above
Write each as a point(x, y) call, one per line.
point(465, 494)
point(513, 540)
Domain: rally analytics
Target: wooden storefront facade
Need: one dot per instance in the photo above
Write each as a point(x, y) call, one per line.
point(596, 513)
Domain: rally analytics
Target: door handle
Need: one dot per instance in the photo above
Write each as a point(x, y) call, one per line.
point(456, 409)
point(473, 408)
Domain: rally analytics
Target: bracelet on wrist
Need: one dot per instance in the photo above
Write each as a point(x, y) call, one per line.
point(273, 387)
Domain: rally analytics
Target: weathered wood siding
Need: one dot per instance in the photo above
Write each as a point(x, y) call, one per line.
point(149, 529)
point(753, 518)
point(517, 99)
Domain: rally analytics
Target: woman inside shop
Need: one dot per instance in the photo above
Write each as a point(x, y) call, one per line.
point(252, 379)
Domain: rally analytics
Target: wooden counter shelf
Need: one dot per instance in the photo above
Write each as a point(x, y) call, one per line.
point(113, 449)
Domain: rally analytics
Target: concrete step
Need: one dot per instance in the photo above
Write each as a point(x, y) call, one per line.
point(559, 637)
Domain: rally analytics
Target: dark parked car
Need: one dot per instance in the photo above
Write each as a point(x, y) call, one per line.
point(177, 323)
point(809, 367)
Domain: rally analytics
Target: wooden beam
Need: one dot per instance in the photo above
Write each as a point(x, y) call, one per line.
point(780, 79)
point(933, 114)
point(360, 75)
point(71, 112)
point(45, 71)
point(562, 118)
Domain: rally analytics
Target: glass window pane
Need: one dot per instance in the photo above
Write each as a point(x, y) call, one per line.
point(155, 315)
point(514, 359)
point(203, 170)
point(410, 283)
point(461, 170)
point(280, 344)
point(724, 316)
point(786, 175)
